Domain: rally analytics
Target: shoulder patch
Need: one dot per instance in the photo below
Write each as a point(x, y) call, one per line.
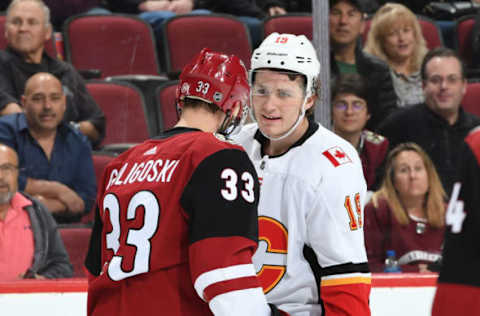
point(337, 156)
point(374, 138)
point(225, 139)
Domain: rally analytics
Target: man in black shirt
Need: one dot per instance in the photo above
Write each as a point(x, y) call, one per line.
point(27, 29)
point(440, 124)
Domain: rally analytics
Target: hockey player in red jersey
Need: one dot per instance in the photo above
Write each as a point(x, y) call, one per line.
point(311, 258)
point(458, 290)
point(176, 223)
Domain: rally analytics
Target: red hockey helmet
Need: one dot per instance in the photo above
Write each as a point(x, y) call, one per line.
point(219, 79)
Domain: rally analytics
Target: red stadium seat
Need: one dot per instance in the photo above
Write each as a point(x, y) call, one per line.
point(167, 109)
point(100, 162)
point(297, 24)
point(184, 36)
point(430, 31)
point(463, 37)
point(50, 47)
point(114, 44)
point(125, 112)
point(471, 100)
point(368, 22)
point(76, 242)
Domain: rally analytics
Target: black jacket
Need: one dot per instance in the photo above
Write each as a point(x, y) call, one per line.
point(14, 73)
point(434, 134)
point(288, 5)
point(237, 7)
point(382, 96)
point(50, 258)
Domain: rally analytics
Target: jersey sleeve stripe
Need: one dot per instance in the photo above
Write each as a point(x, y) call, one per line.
point(345, 281)
point(223, 274)
point(241, 303)
point(231, 285)
point(346, 268)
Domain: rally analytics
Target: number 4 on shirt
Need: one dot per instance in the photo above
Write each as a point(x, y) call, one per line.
point(355, 217)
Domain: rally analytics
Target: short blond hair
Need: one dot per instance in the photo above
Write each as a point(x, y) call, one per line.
point(42, 4)
point(435, 196)
point(382, 24)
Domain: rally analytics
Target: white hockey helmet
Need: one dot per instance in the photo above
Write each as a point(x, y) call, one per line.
point(288, 52)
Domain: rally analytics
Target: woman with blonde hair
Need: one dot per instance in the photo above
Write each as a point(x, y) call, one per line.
point(407, 213)
point(395, 36)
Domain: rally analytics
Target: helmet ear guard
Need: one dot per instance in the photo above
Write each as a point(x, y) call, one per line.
point(218, 79)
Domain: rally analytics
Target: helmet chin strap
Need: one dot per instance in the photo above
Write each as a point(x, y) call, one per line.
point(231, 125)
point(290, 131)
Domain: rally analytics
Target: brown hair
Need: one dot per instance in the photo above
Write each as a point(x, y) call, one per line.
point(434, 203)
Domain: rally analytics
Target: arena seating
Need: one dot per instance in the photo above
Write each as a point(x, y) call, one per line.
point(167, 109)
point(100, 162)
point(290, 23)
point(470, 102)
point(125, 112)
point(463, 37)
point(185, 35)
point(76, 240)
point(114, 44)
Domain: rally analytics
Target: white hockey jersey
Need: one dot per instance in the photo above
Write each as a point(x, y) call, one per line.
point(311, 196)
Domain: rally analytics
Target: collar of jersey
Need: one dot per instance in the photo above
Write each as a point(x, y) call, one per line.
point(176, 131)
point(312, 128)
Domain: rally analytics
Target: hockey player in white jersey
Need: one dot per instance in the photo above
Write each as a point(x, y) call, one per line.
point(311, 258)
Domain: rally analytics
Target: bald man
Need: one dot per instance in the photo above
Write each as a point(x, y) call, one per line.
point(34, 248)
point(55, 158)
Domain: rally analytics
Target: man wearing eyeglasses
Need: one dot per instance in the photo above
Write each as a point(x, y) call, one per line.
point(28, 233)
point(439, 124)
point(350, 114)
point(55, 157)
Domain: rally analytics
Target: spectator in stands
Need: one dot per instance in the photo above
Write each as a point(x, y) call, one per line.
point(31, 246)
point(407, 213)
point(246, 11)
point(346, 20)
point(156, 12)
point(440, 123)
point(280, 7)
point(55, 159)
point(62, 10)
point(27, 28)
point(350, 113)
point(396, 38)
point(416, 6)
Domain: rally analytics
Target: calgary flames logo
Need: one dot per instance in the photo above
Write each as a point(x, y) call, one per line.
point(271, 254)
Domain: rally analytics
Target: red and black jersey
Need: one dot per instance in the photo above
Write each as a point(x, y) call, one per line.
point(459, 281)
point(175, 231)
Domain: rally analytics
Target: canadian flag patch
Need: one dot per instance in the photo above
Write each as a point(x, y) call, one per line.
point(337, 156)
